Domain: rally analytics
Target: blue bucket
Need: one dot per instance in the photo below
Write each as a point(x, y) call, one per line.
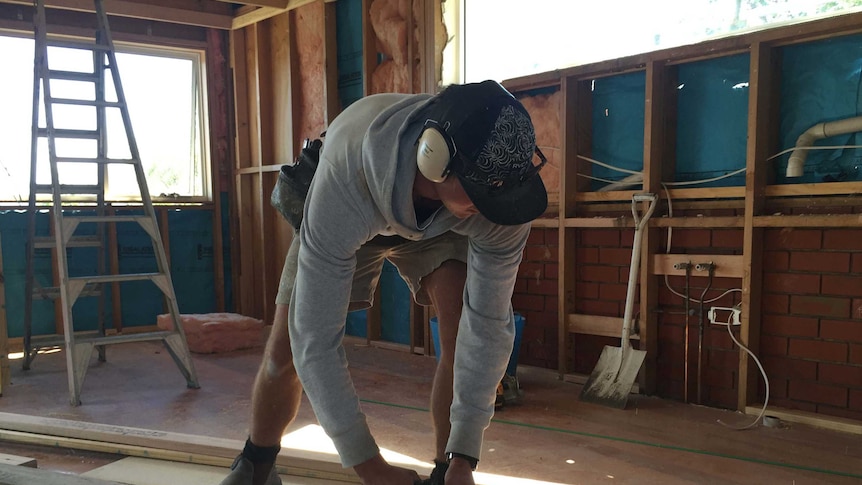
point(513, 359)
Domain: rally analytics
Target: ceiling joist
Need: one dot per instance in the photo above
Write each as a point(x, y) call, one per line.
point(187, 12)
point(218, 14)
point(248, 15)
point(281, 4)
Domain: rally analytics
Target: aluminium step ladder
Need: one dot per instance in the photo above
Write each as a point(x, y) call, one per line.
point(79, 345)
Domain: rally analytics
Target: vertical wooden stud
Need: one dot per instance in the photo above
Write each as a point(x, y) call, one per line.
point(330, 53)
point(762, 137)
point(659, 136)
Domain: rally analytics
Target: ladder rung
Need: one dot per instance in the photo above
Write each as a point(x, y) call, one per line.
point(95, 160)
point(69, 189)
point(64, 133)
point(42, 341)
point(78, 44)
point(111, 278)
point(87, 102)
point(53, 292)
point(75, 242)
point(108, 218)
point(126, 337)
point(73, 76)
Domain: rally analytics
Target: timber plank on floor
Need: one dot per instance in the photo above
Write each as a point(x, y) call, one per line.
point(22, 475)
point(145, 471)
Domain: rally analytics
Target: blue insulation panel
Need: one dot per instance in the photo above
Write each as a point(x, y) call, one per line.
point(820, 82)
point(618, 125)
point(348, 18)
point(712, 124)
point(191, 270)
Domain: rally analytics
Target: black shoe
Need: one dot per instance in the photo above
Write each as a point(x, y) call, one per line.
point(437, 474)
point(242, 473)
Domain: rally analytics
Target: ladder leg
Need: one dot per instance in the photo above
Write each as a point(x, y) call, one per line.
point(77, 362)
point(179, 350)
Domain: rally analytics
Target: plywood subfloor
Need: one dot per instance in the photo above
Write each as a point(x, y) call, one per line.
point(142, 471)
point(551, 437)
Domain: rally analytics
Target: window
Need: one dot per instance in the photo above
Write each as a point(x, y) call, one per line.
point(502, 39)
point(165, 96)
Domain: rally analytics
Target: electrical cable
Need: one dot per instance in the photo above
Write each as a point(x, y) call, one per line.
point(609, 166)
point(701, 181)
point(704, 181)
point(686, 297)
point(669, 236)
point(765, 380)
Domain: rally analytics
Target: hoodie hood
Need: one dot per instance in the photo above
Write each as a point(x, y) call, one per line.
point(389, 160)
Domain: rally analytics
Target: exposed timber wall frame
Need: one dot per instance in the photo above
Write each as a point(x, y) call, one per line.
point(581, 209)
point(188, 12)
point(411, 68)
point(278, 65)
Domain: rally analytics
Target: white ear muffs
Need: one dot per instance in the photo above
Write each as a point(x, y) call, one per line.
point(434, 152)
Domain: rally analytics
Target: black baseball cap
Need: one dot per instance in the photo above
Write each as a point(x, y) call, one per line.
point(494, 142)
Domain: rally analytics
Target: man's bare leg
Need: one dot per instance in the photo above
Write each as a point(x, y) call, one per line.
point(277, 392)
point(445, 287)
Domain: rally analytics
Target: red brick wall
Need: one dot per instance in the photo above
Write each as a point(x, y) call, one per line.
point(535, 298)
point(811, 343)
point(811, 339)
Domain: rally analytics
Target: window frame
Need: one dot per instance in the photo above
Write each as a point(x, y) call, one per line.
point(194, 52)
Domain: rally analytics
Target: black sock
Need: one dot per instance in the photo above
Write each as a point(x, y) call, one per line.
point(260, 454)
point(263, 458)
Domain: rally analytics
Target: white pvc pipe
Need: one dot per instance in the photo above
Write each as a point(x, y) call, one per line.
point(817, 132)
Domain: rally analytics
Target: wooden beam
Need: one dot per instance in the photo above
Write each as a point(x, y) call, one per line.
point(369, 48)
point(675, 194)
point(805, 190)
point(835, 423)
point(282, 4)
point(16, 460)
point(242, 82)
point(188, 12)
point(660, 109)
point(763, 117)
point(5, 372)
point(814, 220)
point(597, 325)
point(295, 460)
point(726, 265)
point(246, 16)
point(18, 475)
point(575, 123)
point(330, 63)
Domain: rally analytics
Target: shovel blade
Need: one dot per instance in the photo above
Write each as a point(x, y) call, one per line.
point(613, 376)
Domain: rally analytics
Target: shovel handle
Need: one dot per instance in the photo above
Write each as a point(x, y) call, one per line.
point(640, 222)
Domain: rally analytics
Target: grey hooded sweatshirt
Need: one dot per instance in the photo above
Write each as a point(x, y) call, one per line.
point(363, 188)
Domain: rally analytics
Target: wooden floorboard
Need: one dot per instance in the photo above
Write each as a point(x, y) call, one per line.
point(549, 438)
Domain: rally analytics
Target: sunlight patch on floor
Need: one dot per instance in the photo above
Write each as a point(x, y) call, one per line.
point(313, 438)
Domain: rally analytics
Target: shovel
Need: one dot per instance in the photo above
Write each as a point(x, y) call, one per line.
point(617, 368)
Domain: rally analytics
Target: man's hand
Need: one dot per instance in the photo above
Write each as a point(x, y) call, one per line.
point(377, 472)
point(459, 472)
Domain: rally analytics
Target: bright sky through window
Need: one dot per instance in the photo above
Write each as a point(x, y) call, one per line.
point(163, 93)
point(511, 38)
